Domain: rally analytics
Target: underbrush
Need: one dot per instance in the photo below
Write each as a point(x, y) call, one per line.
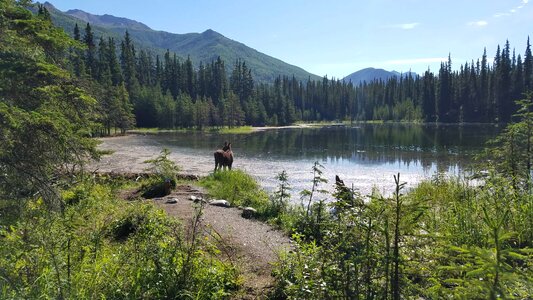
point(102, 247)
point(239, 188)
point(444, 239)
point(242, 190)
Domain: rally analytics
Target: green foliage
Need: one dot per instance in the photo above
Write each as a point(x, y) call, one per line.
point(444, 239)
point(101, 247)
point(318, 180)
point(253, 93)
point(45, 118)
point(280, 199)
point(239, 188)
point(200, 47)
point(511, 153)
point(301, 273)
point(165, 176)
point(234, 130)
point(163, 167)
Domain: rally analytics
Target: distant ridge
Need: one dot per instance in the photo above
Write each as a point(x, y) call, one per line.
point(201, 47)
point(371, 74)
point(106, 20)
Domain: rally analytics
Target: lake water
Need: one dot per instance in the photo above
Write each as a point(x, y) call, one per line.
point(366, 156)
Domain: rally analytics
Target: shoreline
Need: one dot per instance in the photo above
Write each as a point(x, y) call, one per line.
point(129, 153)
point(251, 129)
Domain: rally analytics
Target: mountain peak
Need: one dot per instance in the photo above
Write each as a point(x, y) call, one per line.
point(49, 5)
point(106, 20)
point(371, 74)
point(201, 47)
point(211, 33)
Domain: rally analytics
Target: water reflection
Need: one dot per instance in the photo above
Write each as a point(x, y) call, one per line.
point(423, 145)
point(367, 156)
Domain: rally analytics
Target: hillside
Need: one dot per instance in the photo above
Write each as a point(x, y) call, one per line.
point(370, 74)
point(201, 47)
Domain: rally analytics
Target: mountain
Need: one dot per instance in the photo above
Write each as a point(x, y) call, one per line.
point(201, 47)
point(370, 74)
point(106, 20)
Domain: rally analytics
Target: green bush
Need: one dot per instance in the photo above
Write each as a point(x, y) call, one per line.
point(239, 188)
point(163, 167)
point(102, 247)
point(448, 240)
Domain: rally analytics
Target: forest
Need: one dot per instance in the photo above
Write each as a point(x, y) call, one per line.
point(167, 92)
point(67, 234)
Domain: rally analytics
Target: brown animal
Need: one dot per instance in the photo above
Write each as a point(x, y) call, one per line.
point(224, 157)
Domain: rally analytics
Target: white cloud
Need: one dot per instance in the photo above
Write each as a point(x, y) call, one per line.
point(409, 26)
point(480, 23)
point(412, 61)
point(510, 12)
point(405, 26)
point(498, 15)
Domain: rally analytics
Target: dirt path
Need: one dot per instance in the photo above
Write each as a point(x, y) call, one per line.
point(250, 244)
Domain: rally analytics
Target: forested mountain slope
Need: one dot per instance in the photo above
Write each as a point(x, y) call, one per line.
point(200, 47)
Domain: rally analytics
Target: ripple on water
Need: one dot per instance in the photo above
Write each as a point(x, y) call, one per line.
point(367, 156)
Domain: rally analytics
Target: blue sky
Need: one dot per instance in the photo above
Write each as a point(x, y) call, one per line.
point(336, 38)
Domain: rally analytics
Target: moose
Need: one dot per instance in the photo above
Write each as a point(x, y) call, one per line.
point(223, 157)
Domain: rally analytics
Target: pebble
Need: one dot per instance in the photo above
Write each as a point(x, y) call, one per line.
point(248, 212)
point(222, 203)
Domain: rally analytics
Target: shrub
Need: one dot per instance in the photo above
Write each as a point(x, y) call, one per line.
point(102, 247)
point(239, 188)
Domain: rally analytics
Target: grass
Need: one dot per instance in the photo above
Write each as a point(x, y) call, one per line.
point(224, 130)
point(104, 247)
point(157, 130)
point(233, 130)
point(239, 188)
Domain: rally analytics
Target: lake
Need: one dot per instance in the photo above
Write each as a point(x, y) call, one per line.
point(365, 155)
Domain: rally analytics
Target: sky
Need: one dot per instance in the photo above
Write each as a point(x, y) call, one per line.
point(338, 37)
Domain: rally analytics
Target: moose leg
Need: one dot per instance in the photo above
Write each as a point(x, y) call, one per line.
point(217, 159)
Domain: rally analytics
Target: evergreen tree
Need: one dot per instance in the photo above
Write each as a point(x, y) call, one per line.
point(46, 118)
point(189, 78)
point(503, 92)
point(90, 52)
point(232, 112)
point(77, 35)
point(113, 63)
point(484, 88)
point(528, 68)
point(77, 54)
point(428, 96)
point(104, 72)
point(128, 61)
point(445, 93)
point(124, 119)
point(145, 68)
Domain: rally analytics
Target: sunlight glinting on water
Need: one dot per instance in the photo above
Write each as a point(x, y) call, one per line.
point(367, 157)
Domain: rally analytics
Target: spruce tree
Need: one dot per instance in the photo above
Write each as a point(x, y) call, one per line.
point(528, 68)
point(128, 58)
point(77, 35)
point(77, 54)
point(90, 52)
point(113, 63)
